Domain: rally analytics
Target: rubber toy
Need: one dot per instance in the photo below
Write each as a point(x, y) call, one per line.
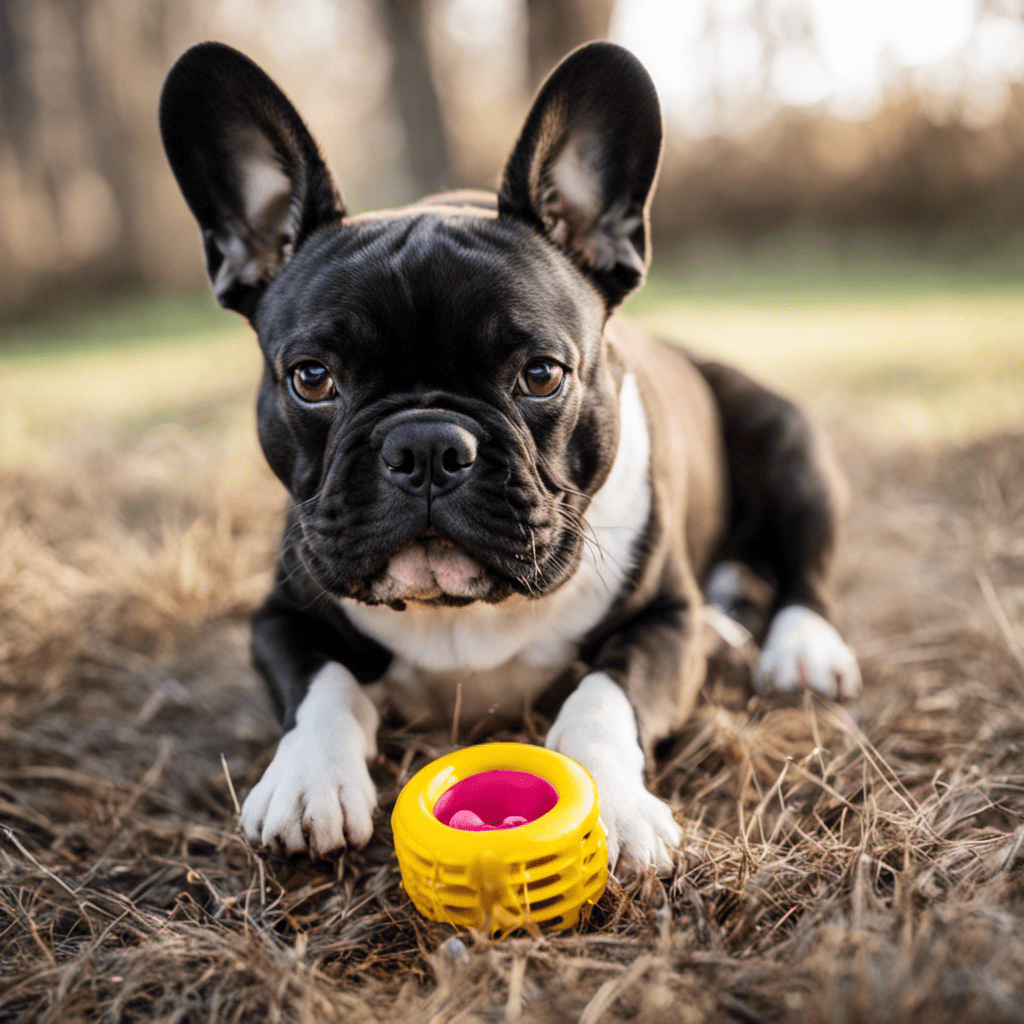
point(501, 836)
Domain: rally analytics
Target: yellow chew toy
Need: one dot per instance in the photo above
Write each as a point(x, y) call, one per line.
point(499, 836)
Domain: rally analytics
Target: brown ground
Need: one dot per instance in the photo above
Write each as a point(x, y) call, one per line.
point(839, 865)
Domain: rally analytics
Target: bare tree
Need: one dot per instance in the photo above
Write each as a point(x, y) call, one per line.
point(110, 144)
point(427, 156)
point(15, 96)
point(557, 26)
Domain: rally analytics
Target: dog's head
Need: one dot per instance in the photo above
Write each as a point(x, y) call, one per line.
point(437, 396)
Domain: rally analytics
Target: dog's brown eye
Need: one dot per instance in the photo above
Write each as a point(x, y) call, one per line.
point(313, 382)
point(540, 378)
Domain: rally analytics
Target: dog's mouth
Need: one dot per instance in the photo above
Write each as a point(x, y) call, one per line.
point(432, 570)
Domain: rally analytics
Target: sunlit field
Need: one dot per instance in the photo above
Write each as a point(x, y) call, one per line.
point(839, 864)
point(895, 345)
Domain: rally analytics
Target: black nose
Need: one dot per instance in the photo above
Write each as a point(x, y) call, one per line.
point(427, 451)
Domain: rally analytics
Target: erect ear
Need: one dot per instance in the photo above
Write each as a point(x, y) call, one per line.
point(584, 166)
point(247, 166)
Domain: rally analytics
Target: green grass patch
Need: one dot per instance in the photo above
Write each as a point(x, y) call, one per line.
point(116, 372)
point(893, 338)
point(815, 268)
point(124, 321)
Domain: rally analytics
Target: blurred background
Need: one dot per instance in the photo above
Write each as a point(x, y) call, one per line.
point(841, 204)
point(840, 211)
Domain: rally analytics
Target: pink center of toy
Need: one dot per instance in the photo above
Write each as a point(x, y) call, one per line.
point(495, 799)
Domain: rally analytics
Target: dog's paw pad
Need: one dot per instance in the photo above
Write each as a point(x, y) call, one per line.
point(804, 651)
point(308, 803)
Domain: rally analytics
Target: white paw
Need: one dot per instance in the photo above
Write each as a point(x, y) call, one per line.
point(803, 651)
point(317, 794)
point(724, 586)
point(641, 830)
point(596, 727)
point(311, 800)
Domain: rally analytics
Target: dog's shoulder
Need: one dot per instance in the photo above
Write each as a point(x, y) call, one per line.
point(688, 461)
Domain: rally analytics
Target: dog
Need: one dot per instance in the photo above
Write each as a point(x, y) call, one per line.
point(504, 495)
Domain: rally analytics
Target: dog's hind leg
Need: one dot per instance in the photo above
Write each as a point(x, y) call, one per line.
point(786, 498)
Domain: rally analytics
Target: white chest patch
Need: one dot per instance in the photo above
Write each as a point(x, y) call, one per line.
point(504, 655)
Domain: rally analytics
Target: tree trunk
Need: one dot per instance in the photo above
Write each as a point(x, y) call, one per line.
point(427, 157)
point(111, 145)
point(557, 26)
point(16, 99)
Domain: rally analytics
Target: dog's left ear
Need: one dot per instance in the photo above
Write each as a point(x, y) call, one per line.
point(247, 166)
point(584, 166)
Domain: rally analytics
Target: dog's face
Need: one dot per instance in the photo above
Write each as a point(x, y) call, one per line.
point(437, 395)
point(440, 415)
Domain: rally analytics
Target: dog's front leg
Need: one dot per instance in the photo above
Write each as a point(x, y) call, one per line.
point(316, 795)
point(640, 687)
point(597, 727)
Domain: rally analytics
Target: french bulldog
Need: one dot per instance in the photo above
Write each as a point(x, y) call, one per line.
point(504, 495)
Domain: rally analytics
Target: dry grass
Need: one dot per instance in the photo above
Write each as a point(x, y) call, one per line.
point(840, 865)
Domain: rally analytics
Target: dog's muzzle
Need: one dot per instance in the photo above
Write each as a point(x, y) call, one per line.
point(426, 452)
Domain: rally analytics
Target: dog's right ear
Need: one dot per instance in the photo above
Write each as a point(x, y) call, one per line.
point(247, 166)
point(584, 167)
